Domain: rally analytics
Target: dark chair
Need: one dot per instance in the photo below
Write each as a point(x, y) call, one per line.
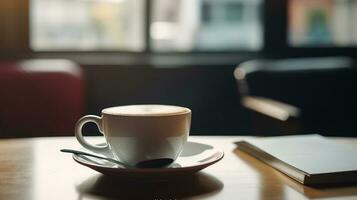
point(300, 95)
point(40, 98)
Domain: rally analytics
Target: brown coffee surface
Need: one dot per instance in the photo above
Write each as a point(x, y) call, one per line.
point(146, 110)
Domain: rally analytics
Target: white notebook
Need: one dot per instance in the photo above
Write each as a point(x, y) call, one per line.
point(309, 159)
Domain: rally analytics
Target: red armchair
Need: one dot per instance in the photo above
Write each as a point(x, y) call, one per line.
point(40, 98)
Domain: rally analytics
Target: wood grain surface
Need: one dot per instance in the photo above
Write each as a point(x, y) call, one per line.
point(35, 169)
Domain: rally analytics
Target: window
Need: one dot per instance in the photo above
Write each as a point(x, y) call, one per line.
point(175, 25)
point(186, 25)
point(323, 23)
point(87, 25)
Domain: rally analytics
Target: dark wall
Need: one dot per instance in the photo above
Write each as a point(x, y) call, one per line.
point(210, 92)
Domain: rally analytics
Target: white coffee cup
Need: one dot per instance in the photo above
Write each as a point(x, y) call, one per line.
point(139, 133)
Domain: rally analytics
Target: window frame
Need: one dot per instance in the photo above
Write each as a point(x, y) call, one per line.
point(275, 40)
point(147, 42)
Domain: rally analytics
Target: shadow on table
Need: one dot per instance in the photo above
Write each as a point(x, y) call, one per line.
point(199, 184)
point(268, 175)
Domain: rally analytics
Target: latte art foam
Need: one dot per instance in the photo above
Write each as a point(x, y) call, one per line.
point(146, 110)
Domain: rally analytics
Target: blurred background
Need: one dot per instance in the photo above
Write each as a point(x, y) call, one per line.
point(243, 66)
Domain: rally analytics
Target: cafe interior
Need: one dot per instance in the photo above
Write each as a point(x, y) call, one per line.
point(244, 68)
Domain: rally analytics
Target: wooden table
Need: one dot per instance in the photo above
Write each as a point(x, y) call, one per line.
point(35, 169)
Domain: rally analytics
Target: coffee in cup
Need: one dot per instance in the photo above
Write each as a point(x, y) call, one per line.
point(136, 134)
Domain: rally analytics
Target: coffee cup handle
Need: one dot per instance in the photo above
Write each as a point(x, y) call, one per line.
point(78, 132)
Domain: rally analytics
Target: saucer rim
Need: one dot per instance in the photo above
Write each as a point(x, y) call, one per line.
point(199, 166)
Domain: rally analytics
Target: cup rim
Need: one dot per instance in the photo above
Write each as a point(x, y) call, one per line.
point(186, 110)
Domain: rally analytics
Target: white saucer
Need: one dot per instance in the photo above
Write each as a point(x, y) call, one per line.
point(194, 157)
